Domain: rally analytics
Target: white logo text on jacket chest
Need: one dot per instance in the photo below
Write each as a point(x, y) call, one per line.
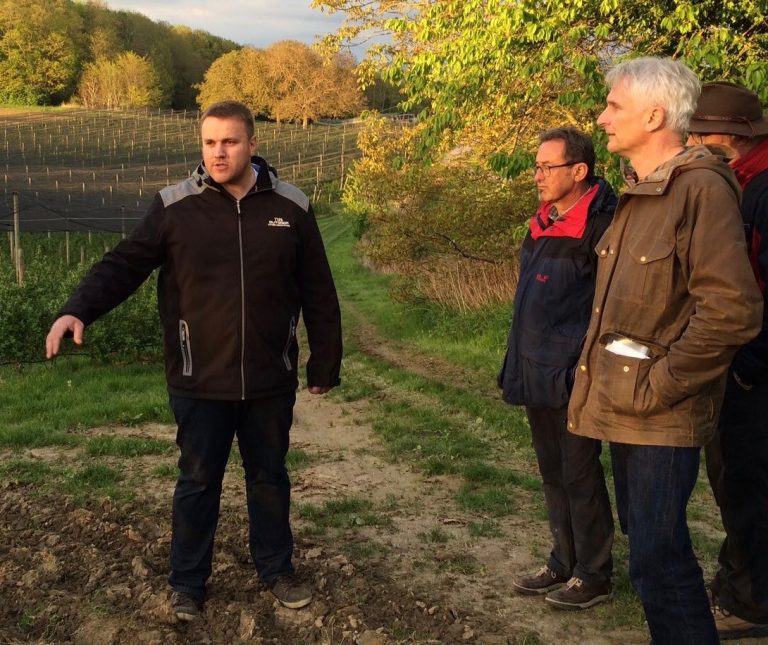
point(279, 221)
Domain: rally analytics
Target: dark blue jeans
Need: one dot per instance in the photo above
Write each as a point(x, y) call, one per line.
point(578, 507)
point(653, 486)
point(206, 429)
point(737, 466)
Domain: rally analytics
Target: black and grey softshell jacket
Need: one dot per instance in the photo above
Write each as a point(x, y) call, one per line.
point(234, 276)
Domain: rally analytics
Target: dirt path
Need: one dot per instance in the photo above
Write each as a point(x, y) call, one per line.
point(96, 575)
point(369, 341)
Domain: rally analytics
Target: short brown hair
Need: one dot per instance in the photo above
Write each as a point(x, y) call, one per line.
point(578, 146)
point(230, 110)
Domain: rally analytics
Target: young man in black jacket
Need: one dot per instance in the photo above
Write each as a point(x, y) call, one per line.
point(552, 307)
point(729, 117)
point(240, 256)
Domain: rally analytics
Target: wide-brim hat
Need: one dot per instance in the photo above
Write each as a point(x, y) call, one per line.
point(727, 108)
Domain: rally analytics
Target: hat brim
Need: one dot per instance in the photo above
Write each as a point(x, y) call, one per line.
point(751, 129)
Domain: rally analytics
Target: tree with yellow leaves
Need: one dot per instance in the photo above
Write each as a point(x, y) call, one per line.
point(288, 81)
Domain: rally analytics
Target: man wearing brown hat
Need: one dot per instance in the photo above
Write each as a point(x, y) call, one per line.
point(730, 117)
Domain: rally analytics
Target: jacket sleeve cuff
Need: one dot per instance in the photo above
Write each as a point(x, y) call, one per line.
point(323, 382)
point(322, 377)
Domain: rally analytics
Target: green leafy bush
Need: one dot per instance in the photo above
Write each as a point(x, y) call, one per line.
point(26, 312)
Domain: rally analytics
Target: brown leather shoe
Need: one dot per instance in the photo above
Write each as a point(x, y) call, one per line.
point(579, 594)
point(542, 581)
point(731, 627)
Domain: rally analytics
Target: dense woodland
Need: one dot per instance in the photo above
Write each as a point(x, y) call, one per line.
point(62, 51)
point(47, 46)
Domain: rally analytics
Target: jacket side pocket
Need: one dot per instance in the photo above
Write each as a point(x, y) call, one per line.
point(625, 386)
point(289, 343)
point(186, 349)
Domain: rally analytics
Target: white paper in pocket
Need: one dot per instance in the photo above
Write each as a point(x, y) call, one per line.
point(628, 347)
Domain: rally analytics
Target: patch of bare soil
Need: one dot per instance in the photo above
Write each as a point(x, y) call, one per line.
point(97, 575)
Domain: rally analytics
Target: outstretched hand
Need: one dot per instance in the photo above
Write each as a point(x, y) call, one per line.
point(59, 329)
point(319, 389)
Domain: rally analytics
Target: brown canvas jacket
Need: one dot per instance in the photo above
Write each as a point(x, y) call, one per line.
point(673, 275)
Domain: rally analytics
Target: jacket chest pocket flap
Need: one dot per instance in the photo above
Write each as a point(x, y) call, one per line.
point(648, 277)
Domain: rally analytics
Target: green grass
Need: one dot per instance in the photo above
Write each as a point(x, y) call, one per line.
point(531, 638)
point(25, 471)
point(127, 446)
point(94, 481)
point(435, 536)
point(342, 513)
point(475, 340)
point(166, 471)
point(296, 459)
point(25, 622)
point(372, 379)
point(485, 529)
point(461, 563)
point(482, 473)
point(493, 490)
point(360, 551)
point(50, 403)
point(480, 499)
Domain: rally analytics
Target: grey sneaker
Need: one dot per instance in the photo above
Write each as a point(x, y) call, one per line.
point(542, 581)
point(578, 594)
point(290, 591)
point(185, 606)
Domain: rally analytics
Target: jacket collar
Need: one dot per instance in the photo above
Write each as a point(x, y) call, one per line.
point(266, 176)
point(751, 164)
point(574, 222)
point(657, 182)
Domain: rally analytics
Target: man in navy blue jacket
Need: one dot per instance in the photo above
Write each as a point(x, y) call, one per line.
point(552, 308)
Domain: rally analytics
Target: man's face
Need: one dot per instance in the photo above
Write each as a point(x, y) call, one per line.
point(560, 181)
point(722, 141)
point(624, 120)
point(227, 150)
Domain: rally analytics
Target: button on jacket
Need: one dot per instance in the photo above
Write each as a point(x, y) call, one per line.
point(234, 277)
point(674, 276)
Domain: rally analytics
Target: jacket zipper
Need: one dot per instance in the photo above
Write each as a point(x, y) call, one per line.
point(289, 342)
point(186, 351)
point(242, 300)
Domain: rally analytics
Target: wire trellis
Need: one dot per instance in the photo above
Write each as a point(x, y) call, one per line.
point(79, 170)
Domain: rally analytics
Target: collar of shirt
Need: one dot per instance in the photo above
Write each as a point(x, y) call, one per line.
point(570, 223)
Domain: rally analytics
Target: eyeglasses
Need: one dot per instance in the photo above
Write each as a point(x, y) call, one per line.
point(546, 169)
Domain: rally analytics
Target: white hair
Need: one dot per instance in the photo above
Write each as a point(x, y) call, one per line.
point(663, 82)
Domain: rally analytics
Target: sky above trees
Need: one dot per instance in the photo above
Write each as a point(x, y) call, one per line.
point(248, 22)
